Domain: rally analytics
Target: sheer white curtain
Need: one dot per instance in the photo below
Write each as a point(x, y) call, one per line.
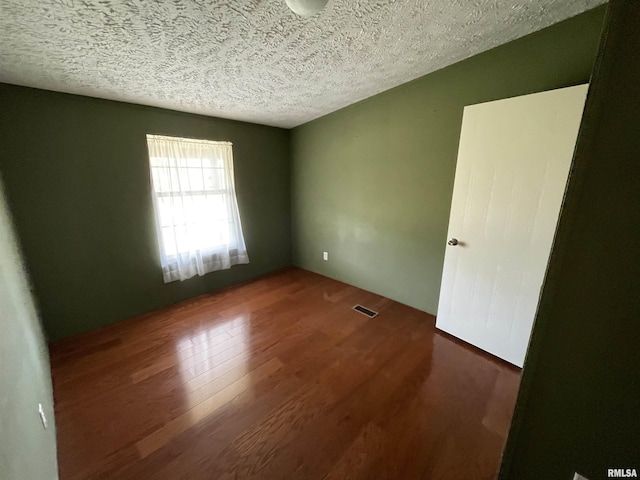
point(196, 210)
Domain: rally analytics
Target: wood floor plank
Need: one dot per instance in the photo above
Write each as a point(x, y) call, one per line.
point(203, 409)
point(358, 459)
point(279, 378)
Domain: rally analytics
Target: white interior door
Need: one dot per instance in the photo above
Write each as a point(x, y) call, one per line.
point(513, 162)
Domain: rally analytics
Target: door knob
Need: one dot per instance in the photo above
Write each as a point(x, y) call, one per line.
point(453, 242)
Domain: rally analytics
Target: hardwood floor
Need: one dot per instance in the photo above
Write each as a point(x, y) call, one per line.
point(279, 379)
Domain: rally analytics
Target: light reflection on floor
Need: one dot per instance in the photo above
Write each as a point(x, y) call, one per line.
point(212, 361)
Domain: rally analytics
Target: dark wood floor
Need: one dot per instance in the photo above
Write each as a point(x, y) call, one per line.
point(279, 379)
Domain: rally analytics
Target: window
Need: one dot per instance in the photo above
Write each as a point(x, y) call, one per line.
point(195, 206)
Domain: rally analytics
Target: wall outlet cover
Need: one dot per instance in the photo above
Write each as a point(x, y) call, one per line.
point(325, 256)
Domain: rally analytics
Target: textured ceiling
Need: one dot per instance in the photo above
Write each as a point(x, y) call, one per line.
point(252, 60)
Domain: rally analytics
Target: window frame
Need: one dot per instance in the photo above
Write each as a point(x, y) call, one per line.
point(171, 162)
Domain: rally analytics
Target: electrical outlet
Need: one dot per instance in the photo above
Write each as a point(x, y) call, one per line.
point(577, 476)
point(325, 256)
point(43, 417)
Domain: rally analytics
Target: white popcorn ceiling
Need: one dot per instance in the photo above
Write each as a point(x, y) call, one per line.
point(252, 60)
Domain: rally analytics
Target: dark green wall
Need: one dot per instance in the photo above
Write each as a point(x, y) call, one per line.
point(27, 450)
point(77, 180)
point(372, 183)
point(579, 403)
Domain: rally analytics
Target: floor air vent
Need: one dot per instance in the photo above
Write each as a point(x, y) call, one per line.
point(365, 311)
